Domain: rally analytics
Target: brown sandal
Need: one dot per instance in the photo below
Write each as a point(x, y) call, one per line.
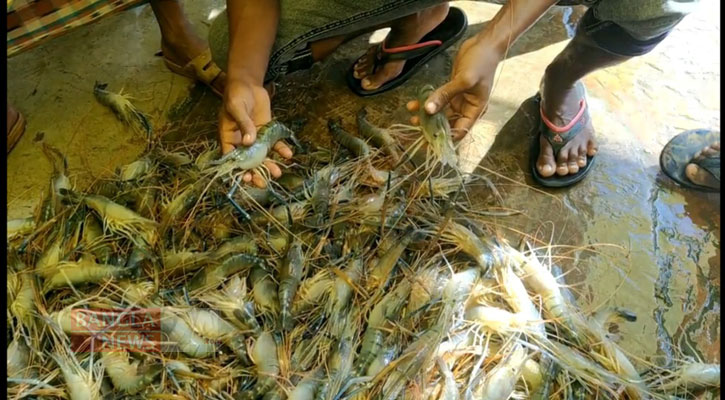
point(16, 132)
point(201, 68)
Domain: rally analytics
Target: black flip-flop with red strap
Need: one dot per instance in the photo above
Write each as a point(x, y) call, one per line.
point(416, 55)
point(558, 137)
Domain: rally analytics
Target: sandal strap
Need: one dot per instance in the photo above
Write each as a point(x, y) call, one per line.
point(711, 165)
point(206, 70)
point(384, 54)
point(559, 136)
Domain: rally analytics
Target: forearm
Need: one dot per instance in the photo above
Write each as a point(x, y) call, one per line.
point(512, 20)
point(252, 30)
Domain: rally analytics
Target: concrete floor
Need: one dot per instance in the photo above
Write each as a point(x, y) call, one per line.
point(628, 235)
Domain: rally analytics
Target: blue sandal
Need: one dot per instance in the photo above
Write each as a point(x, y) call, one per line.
point(680, 151)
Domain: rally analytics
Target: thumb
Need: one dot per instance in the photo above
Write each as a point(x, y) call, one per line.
point(245, 124)
point(443, 95)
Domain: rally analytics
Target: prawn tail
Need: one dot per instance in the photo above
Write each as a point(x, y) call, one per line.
point(56, 158)
point(70, 196)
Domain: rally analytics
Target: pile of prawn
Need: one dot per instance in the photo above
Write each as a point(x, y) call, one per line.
point(370, 274)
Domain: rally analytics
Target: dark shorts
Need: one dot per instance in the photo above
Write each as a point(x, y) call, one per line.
point(623, 27)
point(613, 38)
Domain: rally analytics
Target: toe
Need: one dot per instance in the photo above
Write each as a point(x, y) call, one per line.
point(582, 157)
point(385, 74)
point(562, 162)
point(414, 120)
point(591, 148)
point(545, 164)
point(573, 161)
point(700, 176)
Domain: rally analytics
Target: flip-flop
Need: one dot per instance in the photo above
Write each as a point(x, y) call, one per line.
point(16, 132)
point(681, 149)
point(558, 137)
point(201, 69)
point(443, 36)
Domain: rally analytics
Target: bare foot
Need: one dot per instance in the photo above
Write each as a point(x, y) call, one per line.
point(699, 175)
point(561, 111)
point(403, 32)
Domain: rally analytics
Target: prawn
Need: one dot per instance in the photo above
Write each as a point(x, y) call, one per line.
point(179, 333)
point(181, 203)
point(312, 290)
point(693, 376)
point(211, 277)
point(71, 273)
point(135, 170)
point(342, 292)
point(450, 390)
point(381, 138)
point(380, 273)
point(239, 244)
point(264, 356)
point(436, 133)
point(540, 280)
point(20, 227)
point(500, 382)
point(26, 299)
point(125, 375)
point(469, 243)
point(250, 157)
point(340, 362)
point(124, 110)
point(372, 340)
point(51, 203)
point(18, 360)
point(120, 219)
point(502, 321)
point(264, 290)
point(307, 387)
point(289, 280)
point(517, 297)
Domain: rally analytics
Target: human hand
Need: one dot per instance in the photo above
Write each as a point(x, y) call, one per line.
point(468, 91)
point(246, 106)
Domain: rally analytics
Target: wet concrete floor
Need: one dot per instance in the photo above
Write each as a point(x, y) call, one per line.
point(626, 235)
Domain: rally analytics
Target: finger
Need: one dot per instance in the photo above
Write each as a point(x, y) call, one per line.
point(414, 120)
point(230, 140)
point(440, 98)
point(258, 181)
point(273, 168)
point(283, 149)
point(412, 105)
point(247, 177)
point(458, 134)
point(245, 124)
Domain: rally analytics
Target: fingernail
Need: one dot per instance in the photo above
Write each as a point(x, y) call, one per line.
point(430, 107)
point(247, 137)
